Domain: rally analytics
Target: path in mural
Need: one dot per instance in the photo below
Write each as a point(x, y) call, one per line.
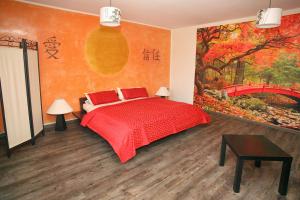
point(262, 107)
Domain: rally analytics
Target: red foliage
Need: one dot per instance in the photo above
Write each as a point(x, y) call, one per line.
point(227, 50)
point(228, 45)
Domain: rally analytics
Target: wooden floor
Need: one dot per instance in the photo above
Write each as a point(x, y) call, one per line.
point(77, 164)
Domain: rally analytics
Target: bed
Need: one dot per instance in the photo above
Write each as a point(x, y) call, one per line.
point(129, 125)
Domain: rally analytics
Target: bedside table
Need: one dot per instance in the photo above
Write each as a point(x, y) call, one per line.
point(78, 114)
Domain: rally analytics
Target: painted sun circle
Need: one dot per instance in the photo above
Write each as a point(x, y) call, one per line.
point(106, 50)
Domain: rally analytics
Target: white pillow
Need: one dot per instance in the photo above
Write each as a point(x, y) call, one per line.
point(120, 94)
point(87, 102)
point(88, 98)
point(88, 107)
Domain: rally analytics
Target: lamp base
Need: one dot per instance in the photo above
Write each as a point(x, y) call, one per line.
point(60, 123)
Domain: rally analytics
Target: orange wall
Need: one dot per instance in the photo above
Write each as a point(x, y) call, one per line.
point(70, 76)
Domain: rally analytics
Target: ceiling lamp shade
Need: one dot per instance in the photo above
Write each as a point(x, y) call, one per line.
point(163, 92)
point(110, 16)
point(59, 107)
point(269, 18)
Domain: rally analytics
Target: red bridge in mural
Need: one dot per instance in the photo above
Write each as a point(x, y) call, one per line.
point(237, 90)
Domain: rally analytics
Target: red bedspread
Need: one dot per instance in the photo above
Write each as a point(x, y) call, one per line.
point(130, 125)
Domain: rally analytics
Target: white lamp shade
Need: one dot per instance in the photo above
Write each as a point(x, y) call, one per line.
point(163, 92)
point(59, 107)
point(110, 16)
point(269, 18)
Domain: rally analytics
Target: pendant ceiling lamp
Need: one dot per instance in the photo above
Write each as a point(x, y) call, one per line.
point(269, 18)
point(110, 16)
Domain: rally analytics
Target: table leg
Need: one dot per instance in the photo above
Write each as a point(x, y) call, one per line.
point(238, 175)
point(257, 163)
point(223, 152)
point(284, 178)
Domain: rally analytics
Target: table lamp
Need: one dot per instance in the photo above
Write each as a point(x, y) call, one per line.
point(163, 92)
point(60, 107)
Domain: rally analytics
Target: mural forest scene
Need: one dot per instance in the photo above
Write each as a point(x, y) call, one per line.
point(249, 72)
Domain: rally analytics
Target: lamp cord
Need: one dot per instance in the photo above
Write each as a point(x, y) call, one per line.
point(270, 3)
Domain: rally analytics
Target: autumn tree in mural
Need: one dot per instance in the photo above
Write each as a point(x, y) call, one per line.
point(240, 65)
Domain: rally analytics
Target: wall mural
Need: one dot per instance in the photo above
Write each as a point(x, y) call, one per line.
point(250, 73)
point(106, 50)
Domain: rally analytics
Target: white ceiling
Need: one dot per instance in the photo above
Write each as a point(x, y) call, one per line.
point(174, 13)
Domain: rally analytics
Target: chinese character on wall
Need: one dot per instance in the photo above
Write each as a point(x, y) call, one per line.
point(152, 54)
point(51, 46)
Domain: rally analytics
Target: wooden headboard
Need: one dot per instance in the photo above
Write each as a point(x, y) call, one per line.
point(81, 102)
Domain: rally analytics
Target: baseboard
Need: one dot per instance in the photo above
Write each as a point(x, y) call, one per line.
point(255, 122)
point(2, 135)
point(75, 120)
point(51, 125)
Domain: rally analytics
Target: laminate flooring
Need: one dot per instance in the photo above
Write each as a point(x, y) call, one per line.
point(77, 164)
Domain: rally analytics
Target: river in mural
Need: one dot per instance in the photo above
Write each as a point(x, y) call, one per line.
point(249, 72)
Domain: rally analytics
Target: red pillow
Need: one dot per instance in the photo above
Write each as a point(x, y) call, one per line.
point(103, 97)
point(132, 93)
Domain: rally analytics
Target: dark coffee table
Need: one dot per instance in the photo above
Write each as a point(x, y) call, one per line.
point(257, 148)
